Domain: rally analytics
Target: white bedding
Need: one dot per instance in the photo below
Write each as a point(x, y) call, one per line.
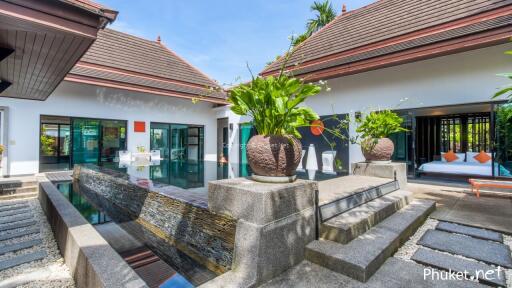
point(459, 168)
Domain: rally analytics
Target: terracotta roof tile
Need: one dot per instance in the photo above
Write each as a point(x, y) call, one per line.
point(144, 59)
point(94, 7)
point(383, 20)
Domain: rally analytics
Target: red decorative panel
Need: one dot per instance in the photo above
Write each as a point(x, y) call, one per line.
point(139, 126)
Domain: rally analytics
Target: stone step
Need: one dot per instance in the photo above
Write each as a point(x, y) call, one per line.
point(27, 189)
point(14, 212)
point(484, 273)
point(18, 196)
point(12, 235)
point(352, 200)
point(14, 219)
point(349, 225)
point(22, 259)
point(17, 225)
point(20, 246)
point(363, 256)
point(486, 251)
point(470, 231)
point(6, 208)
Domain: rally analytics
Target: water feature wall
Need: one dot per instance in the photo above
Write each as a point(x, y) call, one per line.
point(206, 237)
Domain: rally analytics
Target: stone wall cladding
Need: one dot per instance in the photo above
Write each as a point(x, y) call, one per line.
point(206, 237)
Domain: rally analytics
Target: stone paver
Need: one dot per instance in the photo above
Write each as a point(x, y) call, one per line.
point(20, 246)
point(22, 259)
point(485, 273)
point(13, 207)
point(395, 273)
point(470, 231)
point(13, 203)
point(485, 251)
point(7, 236)
point(17, 225)
point(14, 212)
point(14, 219)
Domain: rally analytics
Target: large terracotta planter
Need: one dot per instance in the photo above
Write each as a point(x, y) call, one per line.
point(275, 156)
point(378, 150)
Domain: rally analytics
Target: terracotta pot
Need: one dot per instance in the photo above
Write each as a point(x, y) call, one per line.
point(276, 156)
point(377, 149)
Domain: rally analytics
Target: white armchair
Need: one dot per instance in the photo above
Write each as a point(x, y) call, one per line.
point(125, 156)
point(155, 155)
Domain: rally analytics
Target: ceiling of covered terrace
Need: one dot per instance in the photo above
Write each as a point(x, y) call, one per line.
point(41, 40)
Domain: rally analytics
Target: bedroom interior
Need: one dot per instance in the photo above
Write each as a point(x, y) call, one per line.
point(457, 142)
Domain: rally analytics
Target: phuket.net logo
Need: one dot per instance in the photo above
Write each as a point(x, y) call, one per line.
point(471, 275)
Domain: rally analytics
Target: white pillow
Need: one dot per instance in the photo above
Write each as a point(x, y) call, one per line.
point(461, 157)
point(470, 157)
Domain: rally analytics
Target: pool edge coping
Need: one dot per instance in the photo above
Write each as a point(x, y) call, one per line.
point(91, 260)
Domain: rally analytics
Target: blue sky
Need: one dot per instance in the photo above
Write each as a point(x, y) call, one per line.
point(220, 37)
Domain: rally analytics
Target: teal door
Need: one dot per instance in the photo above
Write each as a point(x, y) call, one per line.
point(246, 132)
point(86, 138)
point(159, 139)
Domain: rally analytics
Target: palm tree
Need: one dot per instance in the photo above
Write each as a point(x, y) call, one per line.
point(324, 14)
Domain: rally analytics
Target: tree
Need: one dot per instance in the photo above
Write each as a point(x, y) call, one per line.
point(507, 89)
point(324, 14)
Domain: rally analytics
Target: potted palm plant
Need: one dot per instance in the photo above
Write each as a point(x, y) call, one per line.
point(273, 104)
point(373, 131)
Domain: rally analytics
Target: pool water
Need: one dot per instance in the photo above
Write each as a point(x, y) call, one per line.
point(98, 217)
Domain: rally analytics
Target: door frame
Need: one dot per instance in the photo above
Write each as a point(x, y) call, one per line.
point(4, 140)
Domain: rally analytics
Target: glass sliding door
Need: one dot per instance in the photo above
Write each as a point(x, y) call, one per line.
point(86, 139)
point(179, 142)
point(54, 144)
point(113, 139)
point(160, 139)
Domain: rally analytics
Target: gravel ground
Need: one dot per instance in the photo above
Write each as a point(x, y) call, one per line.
point(407, 250)
point(49, 272)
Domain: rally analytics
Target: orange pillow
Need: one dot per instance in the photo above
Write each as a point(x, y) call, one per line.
point(450, 156)
point(482, 157)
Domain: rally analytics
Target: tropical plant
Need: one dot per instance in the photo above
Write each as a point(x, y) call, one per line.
point(273, 104)
point(47, 143)
point(379, 124)
point(2, 148)
point(324, 14)
point(507, 89)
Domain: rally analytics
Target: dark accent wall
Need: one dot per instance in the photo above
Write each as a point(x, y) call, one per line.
point(321, 144)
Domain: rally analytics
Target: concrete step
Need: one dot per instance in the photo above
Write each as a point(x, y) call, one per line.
point(27, 189)
point(362, 257)
point(12, 235)
point(484, 273)
point(16, 218)
point(349, 225)
point(353, 199)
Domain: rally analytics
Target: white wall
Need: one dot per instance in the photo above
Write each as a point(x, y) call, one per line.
point(468, 77)
point(78, 100)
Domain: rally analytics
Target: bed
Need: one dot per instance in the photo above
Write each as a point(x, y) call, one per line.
point(463, 168)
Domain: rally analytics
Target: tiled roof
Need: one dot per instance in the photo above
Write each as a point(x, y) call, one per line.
point(385, 20)
point(126, 59)
point(94, 7)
